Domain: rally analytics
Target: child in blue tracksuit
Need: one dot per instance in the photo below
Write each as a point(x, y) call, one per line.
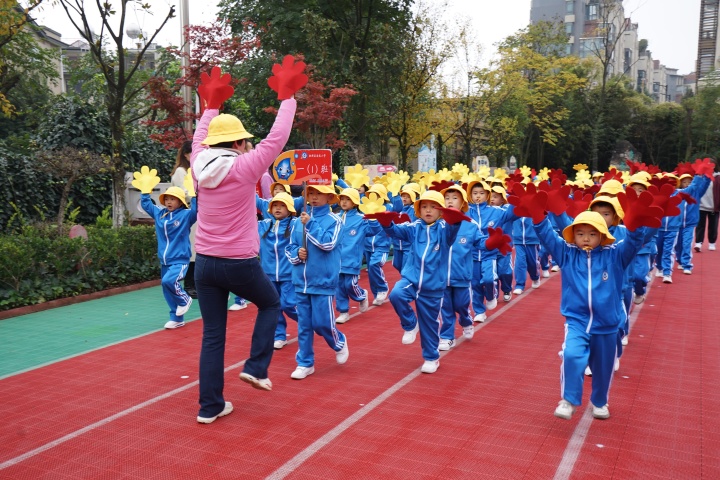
point(424, 276)
point(642, 263)
point(314, 252)
point(173, 220)
point(377, 249)
point(403, 203)
point(592, 269)
point(355, 230)
point(689, 218)
point(485, 263)
point(498, 198)
point(274, 235)
point(458, 293)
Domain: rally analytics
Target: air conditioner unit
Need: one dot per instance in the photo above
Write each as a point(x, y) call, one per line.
point(132, 198)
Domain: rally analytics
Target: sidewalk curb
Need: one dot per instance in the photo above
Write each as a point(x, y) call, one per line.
point(62, 302)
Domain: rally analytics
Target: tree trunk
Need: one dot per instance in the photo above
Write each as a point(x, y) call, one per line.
point(63, 206)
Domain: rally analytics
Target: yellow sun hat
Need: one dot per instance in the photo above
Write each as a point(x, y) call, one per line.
point(380, 190)
point(500, 190)
point(680, 179)
point(430, 195)
point(640, 179)
point(458, 188)
point(225, 128)
point(284, 198)
point(614, 202)
point(472, 185)
point(593, 219)
point(274, 184)
point(329, 189)
point(352, 194)
point(611, 187)
point(176, 192)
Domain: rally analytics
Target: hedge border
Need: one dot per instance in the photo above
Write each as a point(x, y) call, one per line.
point(62, 302)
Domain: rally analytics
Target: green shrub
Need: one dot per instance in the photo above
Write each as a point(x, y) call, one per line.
point(36, 265)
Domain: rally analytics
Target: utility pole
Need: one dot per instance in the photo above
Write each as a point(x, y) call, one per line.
point(185, 62)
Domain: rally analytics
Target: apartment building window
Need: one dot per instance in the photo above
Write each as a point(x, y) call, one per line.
point(656, 88)
point(591, 11)
point(569, 7)
point(569, 27)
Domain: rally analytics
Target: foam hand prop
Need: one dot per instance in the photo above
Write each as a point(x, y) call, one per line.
point(440, 185)
point(704, 167)
point(528, 202)
point(557, 195)
point(639, 211)
point(371, 205)
point(578, 203)
point(356, 176)
point(663, 197)
point(498, 240)
point(402, 218)
point(384, 218)
point(612, 174)
point(688, 198)
point(189, 184)
point(214, 89)
point(288, 78)
point(453, 216)
point(683, 168)
point(145, 179)
point(593, 190)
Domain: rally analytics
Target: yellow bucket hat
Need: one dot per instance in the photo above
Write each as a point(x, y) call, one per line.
point(458, 188)
point(640, 179)
point(472, 185)
point(176, 192)
point(430, 195)
point(593, 219)
point(352, 194)
point(225, 128)
point(614, 202)
point(329, 189)
point(611, 187)
point(380, 190)
point(684, 175)
point(500, 190)
point(285, 198)
point(274, 184)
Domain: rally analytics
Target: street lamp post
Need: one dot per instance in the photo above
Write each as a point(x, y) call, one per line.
point(185, 62)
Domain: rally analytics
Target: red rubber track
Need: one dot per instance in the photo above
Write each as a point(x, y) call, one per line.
point(124, 412)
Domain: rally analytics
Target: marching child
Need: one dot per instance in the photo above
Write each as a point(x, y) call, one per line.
point(642, 263)
point(498, 198)
point(274, 235)
point(424, 277)
point(173, 219)
point(377, 248)
point(314, 251)
point(403, 203)
point(355, 229)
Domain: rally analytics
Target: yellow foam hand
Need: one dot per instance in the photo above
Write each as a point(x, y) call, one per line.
point(625, 177)
point(188, 183)
point(579, 166)
point(526, 171)
point(483, 172)
point(334, 177)
point(501, 174)
point(583, 175)
point(145, 179)
point(459, 170)
point(395, 185)
point(371, 205)
point(544, 174)
point(357, 176)
point(445, 175)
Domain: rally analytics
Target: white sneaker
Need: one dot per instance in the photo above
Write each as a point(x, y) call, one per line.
point(182, 309)
point(342, 356)
point(667, 279)
point(638, 299)
point(698, 246)
point(659, 273)
point(445, 344)
point(588, 372)
point(711, 247)
point(680, 267)
point(601, 412)
point(279, 344)
point(343, 317)
point(237, 306)
point(226, 411)
point(687, 271)
point(616, 367)
point(301, 372)
point(364, 305)
point(430, 366)
point(380, 298)
point(555, 268)
point(468, 332)
point(409, 336)
point(536, 283)
point(259, 383)
point(517, 291)
point(546, 274)
point(564, 410)
point(491, 304)
point(624, 340)
point(170, 325)
point(507, 296)
point(480, 317)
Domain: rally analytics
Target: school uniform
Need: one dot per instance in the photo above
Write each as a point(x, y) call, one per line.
point(355, 230)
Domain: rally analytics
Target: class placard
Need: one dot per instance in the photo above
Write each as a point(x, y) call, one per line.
point(297, 166)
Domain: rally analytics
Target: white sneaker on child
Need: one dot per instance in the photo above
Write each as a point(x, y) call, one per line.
point(182, 309)
point(601, 413)
point(480, 317)
point(489, 305)
point(430, 366)
point(588, 372)
point(343, 317)
point(536, 283)
point(624, 340)
point(698, 246)
point(364, 305)
point(380, 298)
point(302, 372)
point(445, 344)
point(517, 291)
point(409, 336)
point(616, 367)
point(171, 324)
point(237, 306)
point(468, 332)
point(546, 274)
point(342, 356)
point(279, 344)
point(507, 296)
point(564, 410)
point(226, 411)
point(658, 273)
point(555, 268)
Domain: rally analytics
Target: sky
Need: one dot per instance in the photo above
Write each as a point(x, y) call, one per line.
point(670, 26)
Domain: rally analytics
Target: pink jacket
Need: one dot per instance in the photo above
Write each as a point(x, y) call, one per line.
point(225, 186)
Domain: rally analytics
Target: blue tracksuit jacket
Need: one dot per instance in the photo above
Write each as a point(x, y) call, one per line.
point(274, 237)
point(355, 230)
point(172, 230)
point(469, 240)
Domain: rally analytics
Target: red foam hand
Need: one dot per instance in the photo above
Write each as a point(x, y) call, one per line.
point(612, 174)
point(557, 195)
point(684, 168)
point(659, 182)
point(688, 198)
point(634, 166)
point(441, 185)
point(579, 202)
point(529, 202)
point(288, 78)
point(384, 218)
point(663, 198)
point(214, 89)
point(704, 167)
point(592, 190)
point(453, 216)
point(498, 240)
point(557, 174)
point(402, 218)
point(639, 211)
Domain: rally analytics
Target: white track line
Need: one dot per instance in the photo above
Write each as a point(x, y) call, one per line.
point(577, 440)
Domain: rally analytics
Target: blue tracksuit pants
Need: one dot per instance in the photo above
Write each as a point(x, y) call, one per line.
point(375, 261)
point(683, 247)
point(526, 261)
point(428, 316)
point(484, 286)
point(639, 270)
point(172, 287)
point(505, 272)
point(665, 244)
point(286, 290)
point(315, 315)
point(348, 289)
point(456, 301)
